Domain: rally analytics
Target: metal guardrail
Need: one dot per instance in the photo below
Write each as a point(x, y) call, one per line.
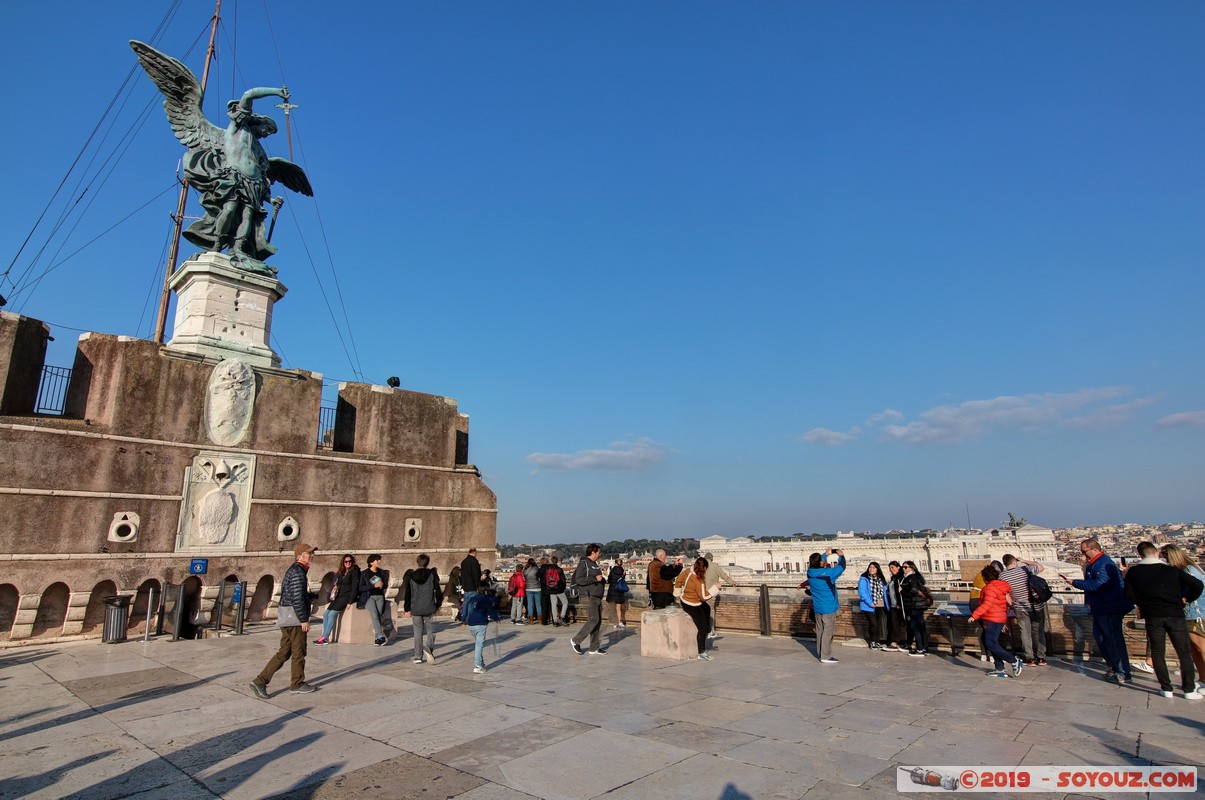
point(52, 390)
point(326, 427)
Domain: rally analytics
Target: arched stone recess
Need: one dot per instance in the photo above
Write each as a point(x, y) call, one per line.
point(324, 593)
point(139, 608)
point(228, 604)
point(52, 611)
point(192, 607)
point(94, 611)
point(9, 599)
point(260, 599)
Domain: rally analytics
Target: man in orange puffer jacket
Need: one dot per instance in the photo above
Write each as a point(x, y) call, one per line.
point(994, 602)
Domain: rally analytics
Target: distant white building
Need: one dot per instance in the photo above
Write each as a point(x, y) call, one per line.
point(938, 556)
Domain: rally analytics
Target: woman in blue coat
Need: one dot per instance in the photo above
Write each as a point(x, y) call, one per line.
point(875, 602)
point(822, 580)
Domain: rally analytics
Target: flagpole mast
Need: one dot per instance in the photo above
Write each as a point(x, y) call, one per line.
point(178, 218)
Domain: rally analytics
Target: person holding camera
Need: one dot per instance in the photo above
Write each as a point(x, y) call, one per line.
point(823, 573)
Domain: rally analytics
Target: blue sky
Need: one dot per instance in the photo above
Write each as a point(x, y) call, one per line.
point(693, 268)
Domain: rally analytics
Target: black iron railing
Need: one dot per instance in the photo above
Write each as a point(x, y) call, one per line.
point(52, 390)
point(326, 426)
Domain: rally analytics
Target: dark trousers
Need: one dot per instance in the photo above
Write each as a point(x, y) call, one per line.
point(918, 636)
point(701, 615)
point(876, 626)
point(292, 645)
point(1158, 631)
point(593, 626)
point(896, 626)
point(991, 637)
point(1110, 638)
point(661, 599)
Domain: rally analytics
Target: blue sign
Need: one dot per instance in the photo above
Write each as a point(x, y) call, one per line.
point(238, 593)
point(198, 566)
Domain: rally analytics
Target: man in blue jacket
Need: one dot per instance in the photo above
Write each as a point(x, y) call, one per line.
point(1104, 592)
point(822, 580)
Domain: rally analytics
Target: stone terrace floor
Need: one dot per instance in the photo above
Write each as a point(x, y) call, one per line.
point(763, 720)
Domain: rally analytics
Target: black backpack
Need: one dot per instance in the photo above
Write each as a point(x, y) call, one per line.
point(1039, 590)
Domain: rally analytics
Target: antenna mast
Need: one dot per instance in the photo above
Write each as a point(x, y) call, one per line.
point(178, 217)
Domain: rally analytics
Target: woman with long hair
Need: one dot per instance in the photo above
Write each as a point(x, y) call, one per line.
point(617, 597)
point(695, 594)
point(874, 604)
point(516, 587)
point(531, 575)
point(896, 624)
point(992, 611)
point(916, 600)
point(1194, 612)
point(347, 584)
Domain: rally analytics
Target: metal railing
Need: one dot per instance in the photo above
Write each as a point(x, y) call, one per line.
point(326, 426)
point(52, 390)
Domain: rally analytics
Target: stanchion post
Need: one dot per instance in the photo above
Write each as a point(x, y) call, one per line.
point(240, 606)
point(763, 603)
point(150, 606)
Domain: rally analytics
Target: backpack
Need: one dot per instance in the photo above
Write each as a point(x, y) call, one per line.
point(1039, 589)
point(552, 578)
point(572, 591)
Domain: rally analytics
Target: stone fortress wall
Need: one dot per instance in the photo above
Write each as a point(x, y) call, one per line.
point(164, 455)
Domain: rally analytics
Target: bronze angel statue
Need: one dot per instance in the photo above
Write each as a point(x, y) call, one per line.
point(228, 167)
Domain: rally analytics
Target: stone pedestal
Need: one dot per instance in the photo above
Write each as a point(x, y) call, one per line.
point(224, 312)
point(668, 633)
point(355, 627)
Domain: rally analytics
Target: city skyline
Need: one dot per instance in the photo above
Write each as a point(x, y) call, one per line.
point(692, 268)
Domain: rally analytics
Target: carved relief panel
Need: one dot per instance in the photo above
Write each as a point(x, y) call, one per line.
point(229, 402)
point(217, 503)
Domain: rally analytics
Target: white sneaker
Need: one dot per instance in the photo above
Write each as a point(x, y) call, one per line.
point(479, 670)
point(1142, 666)
point(828, 661)
point(1193, 695)
point(1168, 695)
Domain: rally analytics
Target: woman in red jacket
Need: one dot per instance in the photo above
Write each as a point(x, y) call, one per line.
point(994, 601)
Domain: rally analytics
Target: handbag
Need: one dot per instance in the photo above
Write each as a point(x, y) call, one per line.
point(286, 617)
point(621, 585)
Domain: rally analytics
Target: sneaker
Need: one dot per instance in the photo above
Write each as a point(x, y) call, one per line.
point(984, 657)
point(829, 660)
point(478, 670)
point(711, 635)
point(418, 661)
point(917, 653)
point(1168, 695)
point(303, 688)
point(1041, 662)
point(1142, 666)
point(602, 651)
point(1000, 674)
point(1017, 665)
point(891, 648)
point(623, 624)
point(261, 691)
point(1112, 677)
point(1029, 662)
point(576, 647)
point(1193, 695)
point(1128, 679)
point(521, 622)
point(430, 656)
point(704, 657)
point(321, 640)
point(380, 642)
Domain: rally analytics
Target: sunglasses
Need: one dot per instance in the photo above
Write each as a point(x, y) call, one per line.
point(348, 561)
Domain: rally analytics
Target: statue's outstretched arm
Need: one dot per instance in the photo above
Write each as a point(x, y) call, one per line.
point(255, 94)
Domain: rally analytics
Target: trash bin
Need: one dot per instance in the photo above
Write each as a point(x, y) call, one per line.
point(117, 617)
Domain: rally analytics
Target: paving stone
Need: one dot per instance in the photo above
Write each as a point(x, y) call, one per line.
point(1177, 718)
point(714, 776)
point(805, 759)
point(493, 722)
point(404, 777)
point(701, 738)
point(1162, 748)
point(628, 758)
point(968, 722)
point(493, 791)
point(1041, 710)
point(712, 711)
point(951, 747)
point(482, 756)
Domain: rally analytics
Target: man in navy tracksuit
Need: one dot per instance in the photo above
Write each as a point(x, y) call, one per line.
point(1104, 592)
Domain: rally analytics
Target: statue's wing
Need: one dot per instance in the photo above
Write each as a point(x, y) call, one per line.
point(182, 97)
point(281, 170)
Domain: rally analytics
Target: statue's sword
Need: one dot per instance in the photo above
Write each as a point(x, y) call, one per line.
point(276, 202)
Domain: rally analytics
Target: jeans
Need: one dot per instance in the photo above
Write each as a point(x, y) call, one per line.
point(1158, 631)
point(991, 639)
point(1110, 638)
point(534, 606)
point(1032, 622)
point(424, 628)
point(593, 626)
point(701, 614)
point(918, 636)
point(661, 599)
point(559, 605)
point(292, 645)
point(826, 626)
point(376, 609)
point(478, 632)
point(516, 609)
point(328, 622)
point(876, 626)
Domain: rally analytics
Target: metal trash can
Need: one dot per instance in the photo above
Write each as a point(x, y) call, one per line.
point(117, 617)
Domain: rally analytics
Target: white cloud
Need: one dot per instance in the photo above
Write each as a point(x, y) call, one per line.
point(886, 415)
point(1185, 419)
point(617, 457)
point(1111, 416)
point(823, 436)
point(950, 424)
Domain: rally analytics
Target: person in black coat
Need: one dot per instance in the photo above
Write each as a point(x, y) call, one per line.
point(347, 586)
point(1161, 591)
